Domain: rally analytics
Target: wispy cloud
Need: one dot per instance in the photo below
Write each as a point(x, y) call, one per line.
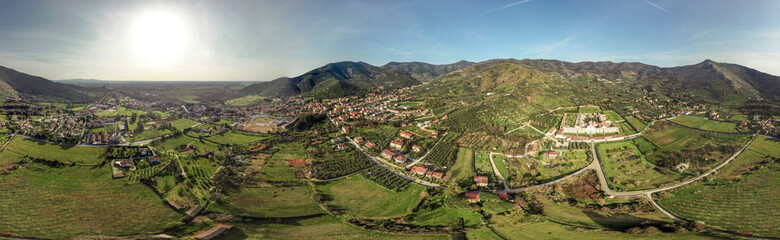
point(657, 6)
point(509, 5)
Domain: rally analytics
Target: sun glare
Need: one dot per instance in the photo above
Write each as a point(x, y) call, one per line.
point(159, 36)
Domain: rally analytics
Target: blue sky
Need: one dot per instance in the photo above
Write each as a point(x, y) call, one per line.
point(263, 40)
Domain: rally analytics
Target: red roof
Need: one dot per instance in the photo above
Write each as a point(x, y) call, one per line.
point(213, 232)
point(406, 134)
point(370, 145)
point(472, 195)
point(503, 195)
point(419, 169)
point(481, 179)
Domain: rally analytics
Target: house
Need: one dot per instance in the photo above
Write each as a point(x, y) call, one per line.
point(388, 154)
point(419, 169)
point(119, 174)
point(397, 144)
point(337, 140)
point(175, 205)
point(435, 135)
point(342, 146)
point(407, 135)
point(125, 163)
point(346, 129)
point(416, 148)
point(472, 197)
point(370, 145)
point(504, 196)
point(154, 160)
point(482, 181)
point(400, 159)
point(435, 174)
point(194, 210)
point(213, 232)
point(359, 140)
point(551, 154)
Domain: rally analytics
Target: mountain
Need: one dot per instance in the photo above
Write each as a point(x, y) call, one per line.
point(334, 80)
point(426, 72)
point(13, 83)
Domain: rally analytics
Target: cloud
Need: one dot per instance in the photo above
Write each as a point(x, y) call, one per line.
point(656, 6)
point(505, 7)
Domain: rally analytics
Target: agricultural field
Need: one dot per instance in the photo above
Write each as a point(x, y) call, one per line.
point(313, 228)
point(636, 123)
point(626, 168)
point(542, 229)
point(499, 161)
point(739, 117)
point(612, 116)
point(184, 139)
point(760, 150)
point(149, 134)
point(20, 147)
point(444, 153)
point(271, 202)
point(748, 206)
point(57, 203)
point(706, 124)
point(565, 213)
point(584, 109)
point(483, 234)
point(447, 215)
point(231, 137)
point(182, 123)
point(482, 164)
point(359, 197)
point(626, 129)
point(463, 169)
point(244, 101)
point(276, 168)
point(120, 111)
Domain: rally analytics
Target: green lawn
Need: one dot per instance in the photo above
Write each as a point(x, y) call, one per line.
point(231, 137)
point(463, 169)
point(312, 228)
point(269, 202)
point(706, 124)
point(20, 147)
point(359, 197)
point(58, 203)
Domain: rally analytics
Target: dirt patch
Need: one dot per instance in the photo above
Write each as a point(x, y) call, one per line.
point(584, 187)
point(256, 164)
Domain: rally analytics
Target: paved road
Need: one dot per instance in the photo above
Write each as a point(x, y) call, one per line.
point(498, 173)
point(426, 154)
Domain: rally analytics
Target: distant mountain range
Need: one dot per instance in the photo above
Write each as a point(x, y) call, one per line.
point(13, 83)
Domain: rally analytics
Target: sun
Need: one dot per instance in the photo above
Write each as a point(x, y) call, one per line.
point(159, 36)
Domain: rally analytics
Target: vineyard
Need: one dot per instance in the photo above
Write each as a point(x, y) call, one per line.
point(337, 168)
point(386, 178)
point(444, 153)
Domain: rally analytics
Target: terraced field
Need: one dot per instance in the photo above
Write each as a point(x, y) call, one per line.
point(57, 203)
point(706, 124)
point(626, 168)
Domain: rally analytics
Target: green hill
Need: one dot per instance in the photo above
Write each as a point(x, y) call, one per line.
point(13, 83)
point(426, 72)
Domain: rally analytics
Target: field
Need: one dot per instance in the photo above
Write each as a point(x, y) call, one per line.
point(447, 216)
point(20, 147)
point(590, 109)
point(463, 169)
point(173, 142)
point(636, 123)
point(567, 163)
point(359, 197)
point(276, 168)
point(499, 161)
point(231, 137)
point(269, 202)
point(244, 101)
point(120, 111)
point(562, 212)
point(739, 117)
point(182, 123)
point(58, 203)
point(312, 228)
point(482, 163)
point(551, 230)
point(149, 134)
point(626, 128)
point(626, 168)
point(480, 234)
point(612, 116)
point(678, 138)
point(706, 124)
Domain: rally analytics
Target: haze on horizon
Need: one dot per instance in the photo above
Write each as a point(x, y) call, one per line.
point(264, 40)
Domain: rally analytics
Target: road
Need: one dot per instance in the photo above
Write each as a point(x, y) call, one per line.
point(426, 154)
point(498, 173)
point(381, 162)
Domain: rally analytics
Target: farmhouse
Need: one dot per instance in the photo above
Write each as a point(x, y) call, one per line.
point(388, 154)
point(154, 160)
point(504, 196)
point(589, 123)
point(213, 232)
point(416, 148)
point(472, 197)
point(435, 135)
point(435, 174)
point(346, 129)
point(125, 163)
point(482, 181)
point(418, 169)
point(194, 210)
point(359, 140)
point(397, 144)
point(407, 135)
point(400, 159)
point(370, 145)
point(175, 205)
point(342, 146)
point(551, 155)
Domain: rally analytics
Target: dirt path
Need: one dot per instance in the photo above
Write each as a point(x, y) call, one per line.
point(498, 173)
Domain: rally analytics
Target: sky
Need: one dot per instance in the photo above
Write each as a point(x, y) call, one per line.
point(264, 40)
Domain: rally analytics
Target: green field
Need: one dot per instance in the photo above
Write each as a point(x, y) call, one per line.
point(231, 137)
point(312, 228)
point(182, 123)
point(58, 203)
point(244, 101)
point(612, 116)
point(636, 123)
point(626, 128)
point(173, 142)
point(499, 161)
point(120, 111)
point(551, 230)
point(482, 234)
point(679, 138)
point(626, 168)
point(463, 169)
point(562, 212)
point(359, 197)
point(739, 117)
point(447, 216)
point(482, 163)
point(276, 168)
point(706, 124)
point(269, 202)
point(584, 109)
point(20, 147)
point(567, 163)
point(149, 134)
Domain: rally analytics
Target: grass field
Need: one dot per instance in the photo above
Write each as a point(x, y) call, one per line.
point(182, 123)
point(269, 202)
point(626, 168)
point(447, 216)
point(276, 168)
point(463, 169)
point(482, 163)
point(244, 101)
point(626, 128)
point(562, 212)
point(612, 116)
point(149, 134)
point(20, 147)
point(359, 197)
point(636, 123)
point(313, 228)
point(679, 138)
point(499, 161)
point(590, 109)
point(482, 234)
point(551, 230)
point(173, 142)
point(706, 124)
point(739, 117)
point(747, 206)
point(58, 203)
point(231, 137)
point(567, 163)
point(120, 111)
